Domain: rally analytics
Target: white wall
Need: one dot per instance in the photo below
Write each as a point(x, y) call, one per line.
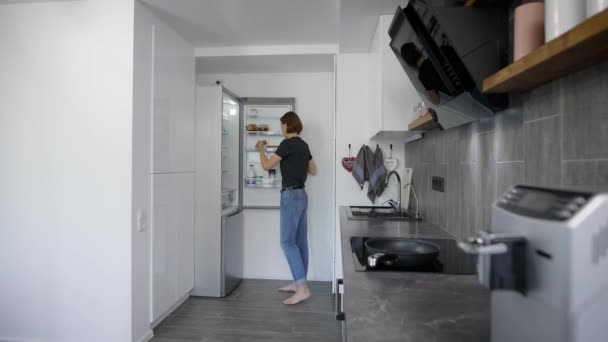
point(353, 116)
point(65, 175)
point(394, 94)
point(314, 93)
point(143, 59)
point(163, 163)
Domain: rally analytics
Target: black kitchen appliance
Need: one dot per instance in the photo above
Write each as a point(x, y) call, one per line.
point(447, 50)
point(450, 259)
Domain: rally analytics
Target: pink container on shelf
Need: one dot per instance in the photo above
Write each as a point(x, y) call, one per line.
point(529, 29)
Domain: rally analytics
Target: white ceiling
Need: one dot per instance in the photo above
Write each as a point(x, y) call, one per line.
point(27, 1)
point(264, 64)
point(358, 21)
point(216, 23)
point(228, 23)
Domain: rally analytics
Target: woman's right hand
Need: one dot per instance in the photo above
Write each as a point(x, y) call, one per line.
point(260, 145)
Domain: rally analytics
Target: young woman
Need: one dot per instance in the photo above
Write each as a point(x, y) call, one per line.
point(296, 163)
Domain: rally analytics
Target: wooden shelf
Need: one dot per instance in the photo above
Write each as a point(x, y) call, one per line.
point(423, 123)
point(584, 45)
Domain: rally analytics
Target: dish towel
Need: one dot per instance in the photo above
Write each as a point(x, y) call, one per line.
point(360, 170)
point(377, 175)
point(369, 167)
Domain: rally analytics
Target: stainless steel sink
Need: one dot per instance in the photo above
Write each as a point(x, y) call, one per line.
point(378, 212)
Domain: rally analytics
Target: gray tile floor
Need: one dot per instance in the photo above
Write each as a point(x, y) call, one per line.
point(254, 312)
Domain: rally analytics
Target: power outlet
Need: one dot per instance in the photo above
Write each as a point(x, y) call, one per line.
point(438, 183)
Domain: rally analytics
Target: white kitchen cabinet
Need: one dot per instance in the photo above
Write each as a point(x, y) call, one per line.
point(173, 104)
point(183, 207)
point(172, 240)
point(393, 96)
point(172, 169)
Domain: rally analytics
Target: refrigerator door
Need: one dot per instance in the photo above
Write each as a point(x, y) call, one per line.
point(231, 153)
point(232, 252)
point(217, 192)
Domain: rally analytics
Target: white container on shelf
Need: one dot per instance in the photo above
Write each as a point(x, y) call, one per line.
point(267, 182)
point(251, 176)
point(596, 6)
point(561, 16)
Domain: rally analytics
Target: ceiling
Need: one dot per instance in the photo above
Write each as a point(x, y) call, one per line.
point(226, 23)
point(26, 1)
point(358, 21)
point(229, 23)
point(220, 23)
point(264, 64)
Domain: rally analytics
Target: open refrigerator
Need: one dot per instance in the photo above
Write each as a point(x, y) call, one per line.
point(225, 149)
point(261, 121)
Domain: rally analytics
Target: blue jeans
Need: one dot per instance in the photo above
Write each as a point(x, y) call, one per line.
point(294, 239)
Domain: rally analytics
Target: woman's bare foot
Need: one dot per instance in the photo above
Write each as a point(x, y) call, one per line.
point(302, 293)
point(288, 288)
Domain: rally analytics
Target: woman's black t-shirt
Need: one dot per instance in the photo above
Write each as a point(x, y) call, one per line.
point(295, 156)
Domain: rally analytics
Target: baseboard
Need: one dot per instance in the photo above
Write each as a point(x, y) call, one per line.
point(281, 277)
point(147, 337)
point(286, 277)
point(168, 312)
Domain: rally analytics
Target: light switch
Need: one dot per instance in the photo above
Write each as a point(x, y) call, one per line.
point(141, 221)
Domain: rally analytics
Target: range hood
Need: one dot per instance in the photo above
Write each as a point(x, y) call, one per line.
point(403, 136)
point(447, 50)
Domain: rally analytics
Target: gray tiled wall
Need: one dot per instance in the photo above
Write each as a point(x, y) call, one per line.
point(555, 136)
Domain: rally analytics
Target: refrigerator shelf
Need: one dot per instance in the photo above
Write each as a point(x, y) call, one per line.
point(269, 150)
point(264, 133)
point(263, 187)
point(266, 117)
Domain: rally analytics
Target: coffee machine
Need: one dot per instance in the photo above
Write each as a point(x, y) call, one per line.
point(546, 262)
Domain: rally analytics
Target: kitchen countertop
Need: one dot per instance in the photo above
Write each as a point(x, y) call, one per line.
point(400, 306)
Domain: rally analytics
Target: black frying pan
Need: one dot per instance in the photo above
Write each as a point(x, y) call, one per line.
point(393, 252)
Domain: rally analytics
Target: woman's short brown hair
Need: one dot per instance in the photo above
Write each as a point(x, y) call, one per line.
point(293, 122)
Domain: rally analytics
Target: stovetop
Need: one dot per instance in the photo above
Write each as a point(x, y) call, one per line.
point(451, 259)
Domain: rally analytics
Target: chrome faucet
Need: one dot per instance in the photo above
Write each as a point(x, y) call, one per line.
point(395, 205)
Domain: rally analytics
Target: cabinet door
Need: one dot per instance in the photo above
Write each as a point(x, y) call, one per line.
point(173, 104)
point(172, 239)
point(184, 211)
point(163, 253)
